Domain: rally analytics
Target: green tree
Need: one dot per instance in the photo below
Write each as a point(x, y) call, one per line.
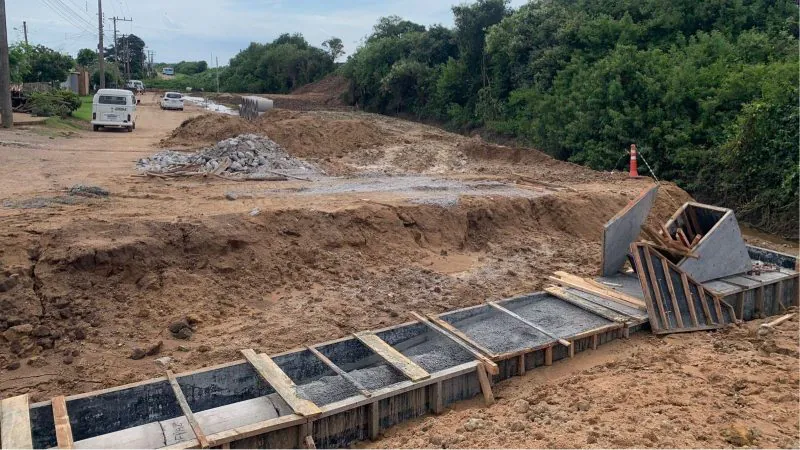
point(86, 57)
point(334, 47)
point(41, 64)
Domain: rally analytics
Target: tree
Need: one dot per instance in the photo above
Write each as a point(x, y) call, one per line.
point(131, 54)
point(393, 26)
point(280, 66)
point(708, 90)
point(335, 48)
point(31, 64)
point(86, 57)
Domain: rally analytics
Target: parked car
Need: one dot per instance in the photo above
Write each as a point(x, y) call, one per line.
point(168, 71)
point(172, 100)
point(114, 108)
point(135, 85)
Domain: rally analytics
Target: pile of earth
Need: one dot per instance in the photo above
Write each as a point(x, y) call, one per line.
point(246, 154)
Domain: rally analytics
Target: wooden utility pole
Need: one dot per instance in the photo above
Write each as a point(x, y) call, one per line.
point(25, 31)
point(5, 72)
point(116, 48)
point(101, 61)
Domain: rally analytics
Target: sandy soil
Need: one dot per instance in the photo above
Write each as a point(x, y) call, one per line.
point(99, 278)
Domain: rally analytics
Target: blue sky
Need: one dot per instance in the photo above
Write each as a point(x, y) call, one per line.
point(194, 29)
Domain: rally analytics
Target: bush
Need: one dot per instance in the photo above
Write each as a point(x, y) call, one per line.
point(53, 103)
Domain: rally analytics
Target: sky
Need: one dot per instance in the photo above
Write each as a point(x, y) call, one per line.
point(194, 30)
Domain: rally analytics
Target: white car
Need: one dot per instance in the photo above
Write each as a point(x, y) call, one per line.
point(114, 108)
point(172, 100)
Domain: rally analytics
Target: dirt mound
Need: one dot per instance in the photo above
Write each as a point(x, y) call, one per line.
point(101, 288)
point(302, 134)
point(207, 129)
point(331, 87)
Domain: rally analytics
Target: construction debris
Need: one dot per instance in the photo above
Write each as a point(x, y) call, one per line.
point(247, 156)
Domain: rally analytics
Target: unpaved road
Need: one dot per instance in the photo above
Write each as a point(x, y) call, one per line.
point(98, 278)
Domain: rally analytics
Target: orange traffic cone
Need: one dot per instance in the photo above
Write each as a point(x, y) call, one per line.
point(634, 173)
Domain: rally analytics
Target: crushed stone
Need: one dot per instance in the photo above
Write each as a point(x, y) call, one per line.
point(246, 154)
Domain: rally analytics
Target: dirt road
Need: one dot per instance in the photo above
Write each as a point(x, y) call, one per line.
point(286, 264)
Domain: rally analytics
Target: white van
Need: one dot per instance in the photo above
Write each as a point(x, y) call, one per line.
point(114, 108)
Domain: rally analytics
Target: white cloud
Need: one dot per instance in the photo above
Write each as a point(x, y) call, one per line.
point(193, 29)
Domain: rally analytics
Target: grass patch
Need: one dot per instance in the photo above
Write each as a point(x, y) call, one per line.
point(85, 111)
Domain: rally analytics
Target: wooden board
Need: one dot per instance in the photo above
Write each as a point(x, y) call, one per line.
point(490, 365)
point(61, 420)
point(486, 386)
point(598, 289)
point(15, 423)
point(563, 294)
point(187, 411)
point(281, 382)
point(389, 354)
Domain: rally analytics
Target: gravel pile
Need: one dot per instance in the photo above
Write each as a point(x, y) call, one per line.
point(246, 154)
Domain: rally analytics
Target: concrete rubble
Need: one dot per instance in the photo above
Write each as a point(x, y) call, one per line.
point(243, 155)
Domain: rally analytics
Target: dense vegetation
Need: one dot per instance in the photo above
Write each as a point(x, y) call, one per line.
point(284, 64)
point(58, 103)
point(37, 63)
point(708, 90)
point(280, 66)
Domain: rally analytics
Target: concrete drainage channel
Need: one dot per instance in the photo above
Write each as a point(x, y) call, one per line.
point(329, 395)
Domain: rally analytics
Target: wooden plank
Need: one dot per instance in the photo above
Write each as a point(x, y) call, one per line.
point(689, 299)
point(374, 420)
point(15, 423)
point(760, 302)
point(548, 355)
point(353, 382)
point(61, 420)
point(602, 311)
point(521, 365)
point(641, 272)
point(595, 341)
point(563, 342)
point(671, 289)
point(309, 443)
point(692, 233)
point(718, 309)
point(684, 239)
point(740, 305)
point(777, 321)
point(704, 304)
point(437, 398)
point(779, 295)
point(281, 382)
point(692, 214)
point(460, 334)
point(187, 411)
point(651, 273)
point(571, 353)
point(601, 290)
point(389, 354)
point(490, 365)
point(486, 386)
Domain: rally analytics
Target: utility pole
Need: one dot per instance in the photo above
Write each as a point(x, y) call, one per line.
point(116, 50)
point(101, 58)
point(25, 31)
point(217, 74)
point(5, 72)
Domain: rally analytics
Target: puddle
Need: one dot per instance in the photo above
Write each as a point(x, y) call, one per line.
point(210, 105)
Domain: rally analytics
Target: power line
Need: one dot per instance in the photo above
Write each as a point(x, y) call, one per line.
point(71, 20)
point(72, 13)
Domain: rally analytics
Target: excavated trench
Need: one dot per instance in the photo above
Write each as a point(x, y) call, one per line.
point(105, 287)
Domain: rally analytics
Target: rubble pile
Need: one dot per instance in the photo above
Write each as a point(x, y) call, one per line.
point(243, 155)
